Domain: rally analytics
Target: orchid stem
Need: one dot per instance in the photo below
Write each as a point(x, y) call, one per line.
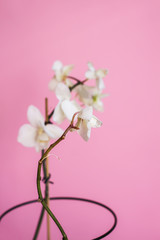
point(43, 209)
point(43, 158)
point(43, 201)
point(73, 78)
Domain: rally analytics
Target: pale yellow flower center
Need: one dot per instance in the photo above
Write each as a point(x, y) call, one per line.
point(95, 98)
point(42, 137)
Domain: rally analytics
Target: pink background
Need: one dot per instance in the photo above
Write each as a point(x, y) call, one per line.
point(120, 164)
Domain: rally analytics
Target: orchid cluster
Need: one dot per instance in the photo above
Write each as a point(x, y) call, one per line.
point(76, 102)
point(40, 131)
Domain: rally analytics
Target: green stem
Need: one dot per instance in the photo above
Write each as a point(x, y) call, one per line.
point(44, 203)
point(56, 142)
point(43, 209)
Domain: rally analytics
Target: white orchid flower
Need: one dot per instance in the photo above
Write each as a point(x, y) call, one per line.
point(99, 74)
point(91, 96)
point(61, 73)
point(65, 108)
point(85, 121)
point(37, 134)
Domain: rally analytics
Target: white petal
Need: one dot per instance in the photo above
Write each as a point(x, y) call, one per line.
point(84, 91)
point(53, 131)
point(41, 145)
point(67, 69)
point(34, 116)
point(104, 95)
point(101, 73)
point(85, 94)
point(52, 84)
point(70, 108)
point(95, 122)
point(85, 130)
point(94, 91)
point(43, 137)
point(58, 115)
point(57, 66)
point(90, 67)
point(90, 75)
point(86, 113)
point(62, 91)
point(100, 83)
point(59, 76)
point(98, 105)
point(68, 82)
point(38, 148)
point(27, 135)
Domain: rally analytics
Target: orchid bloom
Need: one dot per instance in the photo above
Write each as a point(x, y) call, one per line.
point(99, 74)
point(61, 73)
point(91, 96)
point(37, 134)
point(65, 108)
point(85, 121)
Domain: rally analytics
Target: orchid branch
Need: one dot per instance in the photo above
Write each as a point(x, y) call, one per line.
point(77, 84)
point(39, 131)
point(41, 199)
point(76, 79)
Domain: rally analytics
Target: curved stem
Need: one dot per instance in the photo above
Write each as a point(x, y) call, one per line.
point(43, 209)
point(75, 85)
point(73, 78)
point(50, 115)
point(78, 83)
point(44, 203)
point(55, 143)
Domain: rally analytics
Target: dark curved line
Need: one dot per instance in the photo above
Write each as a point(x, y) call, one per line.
point(17, 206)
point(74, 199)
point(97, 203)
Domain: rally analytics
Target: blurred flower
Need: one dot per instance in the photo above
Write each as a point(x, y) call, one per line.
point(61, 73)
point(91, 96)
point(37, 134)
point(96, 74)
point(65, 108)
point(85, 121)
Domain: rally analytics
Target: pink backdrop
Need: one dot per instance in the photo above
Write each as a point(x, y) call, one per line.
point(120, 164)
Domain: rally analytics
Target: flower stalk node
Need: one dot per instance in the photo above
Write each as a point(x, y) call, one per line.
point(46, 179)
point(74, 127)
